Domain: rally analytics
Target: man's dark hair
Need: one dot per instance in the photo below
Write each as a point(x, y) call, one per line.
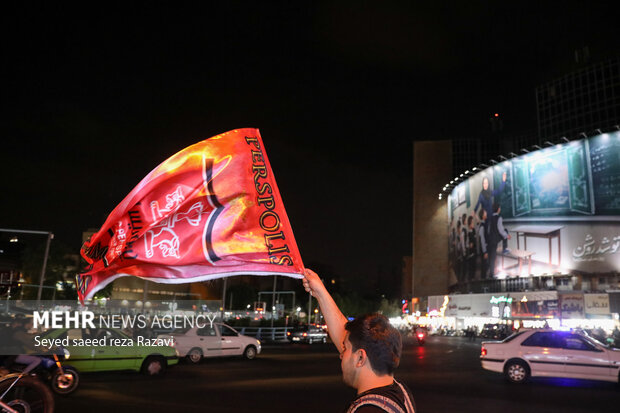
point(470, 219)
point(495, 207)
point(382, 342)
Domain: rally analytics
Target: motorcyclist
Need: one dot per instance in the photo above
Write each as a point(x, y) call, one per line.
point(420, 333)
point(22, 345)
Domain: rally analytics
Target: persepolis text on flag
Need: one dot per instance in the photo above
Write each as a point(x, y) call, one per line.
point(210, 211)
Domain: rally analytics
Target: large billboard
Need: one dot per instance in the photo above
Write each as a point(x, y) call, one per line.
point(554, 210)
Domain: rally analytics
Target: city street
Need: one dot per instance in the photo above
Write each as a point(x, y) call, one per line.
point(444, 375)
point(283, 165)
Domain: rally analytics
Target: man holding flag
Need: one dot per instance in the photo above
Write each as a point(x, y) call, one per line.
point(214, 210)
point(370, 350)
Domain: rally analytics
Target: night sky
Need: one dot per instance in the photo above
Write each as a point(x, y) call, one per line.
point(95, 98)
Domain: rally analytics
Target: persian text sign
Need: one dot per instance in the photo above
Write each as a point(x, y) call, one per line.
point(597, 304)
point(571, 305)
point(210, 211)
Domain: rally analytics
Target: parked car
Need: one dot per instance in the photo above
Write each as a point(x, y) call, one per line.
point(307, 334)
point(213, 340)
point(549, 353)
point(116, 354)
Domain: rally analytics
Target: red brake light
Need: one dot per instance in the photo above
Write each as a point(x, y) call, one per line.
point(288, 333)
point(483, 352)
point(421, 335)
point(305, 334)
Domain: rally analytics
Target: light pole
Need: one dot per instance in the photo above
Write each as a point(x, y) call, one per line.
point(273, 299)
point(223, 309)
point(50, 236)
point(309, 306)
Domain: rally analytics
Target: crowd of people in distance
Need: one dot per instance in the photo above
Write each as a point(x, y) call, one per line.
point(611, 339)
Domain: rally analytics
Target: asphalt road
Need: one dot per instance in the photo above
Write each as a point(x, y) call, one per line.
point(444, 376)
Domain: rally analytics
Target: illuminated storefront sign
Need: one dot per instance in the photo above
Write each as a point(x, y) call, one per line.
point(502, 299)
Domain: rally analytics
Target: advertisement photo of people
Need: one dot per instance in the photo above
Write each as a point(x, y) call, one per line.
point(551, 211)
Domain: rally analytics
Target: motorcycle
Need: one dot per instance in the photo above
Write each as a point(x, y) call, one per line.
point(420, 336)
point(22, 393)
point(63, 380)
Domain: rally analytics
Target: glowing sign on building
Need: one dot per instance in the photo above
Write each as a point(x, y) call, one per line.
point(502, 299)
point(554, 210)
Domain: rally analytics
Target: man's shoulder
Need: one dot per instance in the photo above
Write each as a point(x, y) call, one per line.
point(382, 399)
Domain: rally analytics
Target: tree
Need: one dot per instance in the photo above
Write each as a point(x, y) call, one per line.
point(352, 304)
point(390, 308)
point(61, 268)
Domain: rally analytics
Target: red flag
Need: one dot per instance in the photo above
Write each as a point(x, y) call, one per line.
point(210, 211)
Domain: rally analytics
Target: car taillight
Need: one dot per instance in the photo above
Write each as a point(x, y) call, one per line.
point(420, 335)
point(483, 352)
point(305, 334)
point(288, 333)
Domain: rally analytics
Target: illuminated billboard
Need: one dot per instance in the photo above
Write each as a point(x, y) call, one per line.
point(554, 210)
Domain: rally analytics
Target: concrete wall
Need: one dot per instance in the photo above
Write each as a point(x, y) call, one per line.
point(432, 169)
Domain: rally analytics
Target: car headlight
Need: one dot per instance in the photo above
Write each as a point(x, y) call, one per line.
point(258, 342)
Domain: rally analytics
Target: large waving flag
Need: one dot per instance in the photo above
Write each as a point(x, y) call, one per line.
point(212, 210)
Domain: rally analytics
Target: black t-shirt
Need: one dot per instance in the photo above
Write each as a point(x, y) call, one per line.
point(392, 392)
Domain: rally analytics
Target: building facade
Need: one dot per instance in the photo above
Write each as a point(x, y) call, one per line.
point(432, 167)
point(580, 102)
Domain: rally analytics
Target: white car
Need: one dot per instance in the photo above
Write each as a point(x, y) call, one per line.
point(213, 340)
point(550, 353)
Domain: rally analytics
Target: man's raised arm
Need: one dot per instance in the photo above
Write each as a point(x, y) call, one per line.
point(334, 318)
